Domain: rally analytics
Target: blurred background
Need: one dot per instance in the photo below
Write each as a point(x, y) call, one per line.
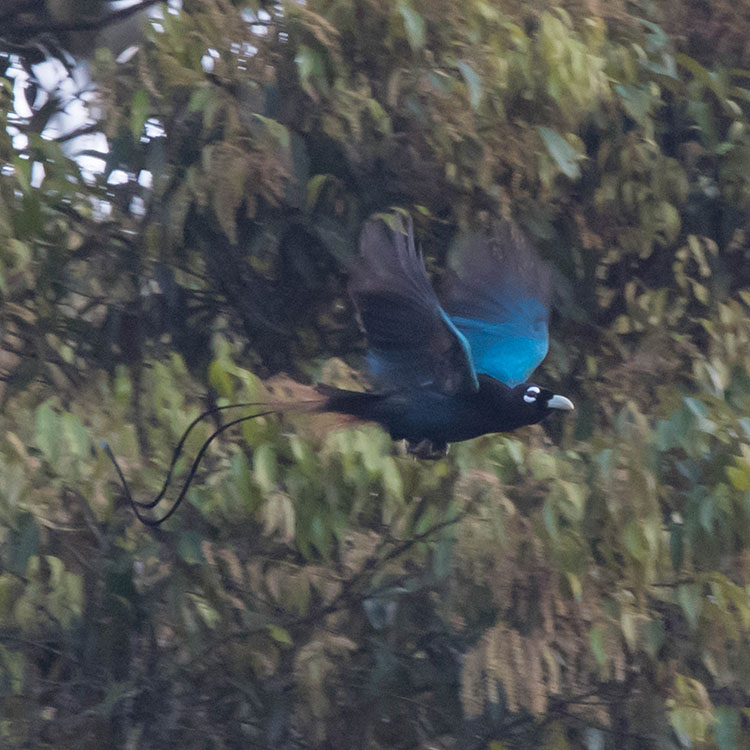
point(182, 185)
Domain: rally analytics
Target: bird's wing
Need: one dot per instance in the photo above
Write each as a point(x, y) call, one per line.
point(412, 342)
point(498, 298)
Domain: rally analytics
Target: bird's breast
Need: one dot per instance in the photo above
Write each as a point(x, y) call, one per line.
point(426, 414)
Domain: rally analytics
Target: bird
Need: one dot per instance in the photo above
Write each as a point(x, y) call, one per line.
point(449, 371)
point(442, 371)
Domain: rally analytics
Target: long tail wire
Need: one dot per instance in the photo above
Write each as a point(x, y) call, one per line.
point(138, 506)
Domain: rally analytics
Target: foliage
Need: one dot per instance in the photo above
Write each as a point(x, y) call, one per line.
point(580, 586)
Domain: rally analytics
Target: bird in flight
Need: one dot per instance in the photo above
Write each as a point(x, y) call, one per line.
point(450, 371)
point(443, 372)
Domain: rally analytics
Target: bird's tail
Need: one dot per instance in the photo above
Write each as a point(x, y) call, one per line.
point(351, 405)
point(292, 397)
point(356, 404)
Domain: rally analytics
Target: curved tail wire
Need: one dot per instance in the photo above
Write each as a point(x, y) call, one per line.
point(137, 506)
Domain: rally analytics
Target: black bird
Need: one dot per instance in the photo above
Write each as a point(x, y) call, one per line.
point(442, 373)
point(450, 372)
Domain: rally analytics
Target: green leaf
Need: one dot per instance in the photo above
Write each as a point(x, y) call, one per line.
point(208, 614)
point(280, 635)
point(442, 558)
point(320, 536)
point(635, 541)
point(574, 582)
point(220, 379)
point(76, 437)
point(595, 739)
point(689, 597)
point(13, 666)
point(189, 547)
point(379, 117)
point(652, 637)
point(705, 119)
point(265, 467)
point(10, 587)
point(473, 83)
point(414, 25)
point(663, 219)
point(739, 475)
point(73, 592)
point(543, 465)
point(139, 113)
point(393, 221)
point(21, 253)
point(727, 727)
point(562, 152)
point(56, 570)
point(315, 186)
point(636, 100)
point(28, 221)
point(22, 170)
point(199, 98)
point(47, 436)
point(596, 639)
point(699, 72)
point(555, 737)
point(278, 516)
point(311, 70)
point(275, 129)
point(393, 483)
point(706, 513)
point(242, 481)
point(23, 542)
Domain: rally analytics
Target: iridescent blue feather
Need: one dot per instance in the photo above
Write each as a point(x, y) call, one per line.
point(412, 342)
point(498, 297)
point(493, 321)
point(505, 351)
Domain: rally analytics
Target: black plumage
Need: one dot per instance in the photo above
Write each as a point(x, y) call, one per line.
point(453, 371)
point(442, 373)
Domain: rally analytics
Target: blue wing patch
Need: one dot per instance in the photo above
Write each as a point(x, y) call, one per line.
point(499, 301)
point(508, 351)
point(412, 342)
point(465, 349)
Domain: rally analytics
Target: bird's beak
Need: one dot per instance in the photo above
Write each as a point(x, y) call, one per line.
point(560, 402)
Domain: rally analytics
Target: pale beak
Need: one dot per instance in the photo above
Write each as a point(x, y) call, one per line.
point(560, 402)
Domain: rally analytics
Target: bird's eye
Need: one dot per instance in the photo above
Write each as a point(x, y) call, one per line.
point(531, 393)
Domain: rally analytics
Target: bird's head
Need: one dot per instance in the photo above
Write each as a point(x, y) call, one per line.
point(535, 403)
